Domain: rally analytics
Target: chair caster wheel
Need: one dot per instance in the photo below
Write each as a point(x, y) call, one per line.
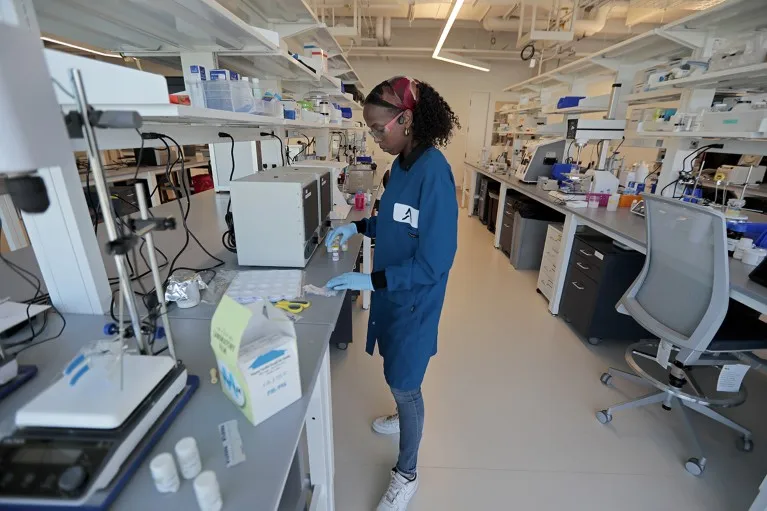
point(606, 379)
point(603, 416)
point(694, 466)
point(342, 345)
point(745, 444)
point(594, 341)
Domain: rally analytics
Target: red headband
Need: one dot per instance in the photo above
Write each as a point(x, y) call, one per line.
point(402, 92)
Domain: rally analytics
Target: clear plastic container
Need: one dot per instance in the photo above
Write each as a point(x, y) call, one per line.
point(233, 96)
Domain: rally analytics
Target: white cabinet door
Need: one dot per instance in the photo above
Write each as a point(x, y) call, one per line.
point(476, 133)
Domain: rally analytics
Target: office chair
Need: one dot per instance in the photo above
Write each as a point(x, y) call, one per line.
point(682, 296)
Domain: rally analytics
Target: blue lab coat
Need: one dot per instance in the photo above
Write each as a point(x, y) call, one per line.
point(416, 234)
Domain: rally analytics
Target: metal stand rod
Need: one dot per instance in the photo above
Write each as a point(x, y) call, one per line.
point(158, 289)
point(107, 211)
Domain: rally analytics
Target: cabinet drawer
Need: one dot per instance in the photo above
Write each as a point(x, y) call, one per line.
point(549, 266)
point(587, 266)
point(579, 300)
point(588, 253)
point(546, 286)
point(553, 236)
point(550, 252)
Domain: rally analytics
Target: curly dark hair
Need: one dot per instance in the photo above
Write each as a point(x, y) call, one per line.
point(433, 119)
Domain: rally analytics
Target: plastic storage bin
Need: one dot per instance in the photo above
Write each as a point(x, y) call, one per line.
point(528, 238)
point(233, 96)
point(569, 101)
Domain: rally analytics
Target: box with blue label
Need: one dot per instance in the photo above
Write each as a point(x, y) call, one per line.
point(257, 357)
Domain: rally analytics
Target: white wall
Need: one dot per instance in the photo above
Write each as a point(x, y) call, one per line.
point(454, 83)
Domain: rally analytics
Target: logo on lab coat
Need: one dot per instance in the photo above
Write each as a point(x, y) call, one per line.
point(406, 214)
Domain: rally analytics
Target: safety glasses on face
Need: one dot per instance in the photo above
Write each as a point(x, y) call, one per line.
point(379, 134)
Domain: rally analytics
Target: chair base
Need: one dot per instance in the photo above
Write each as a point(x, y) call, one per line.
point(671, 397)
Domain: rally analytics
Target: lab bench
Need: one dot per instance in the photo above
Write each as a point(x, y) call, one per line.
point(622, 226)
point(272, 448)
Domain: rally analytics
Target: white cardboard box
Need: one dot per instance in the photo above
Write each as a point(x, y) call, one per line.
point(257, 357)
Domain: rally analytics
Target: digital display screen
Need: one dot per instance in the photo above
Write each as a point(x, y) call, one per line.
point(42, 456)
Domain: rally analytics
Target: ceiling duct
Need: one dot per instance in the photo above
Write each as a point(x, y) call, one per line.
point(587, 27)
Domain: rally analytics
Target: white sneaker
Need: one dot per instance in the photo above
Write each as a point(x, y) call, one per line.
point(398, 494)
point(388, 425)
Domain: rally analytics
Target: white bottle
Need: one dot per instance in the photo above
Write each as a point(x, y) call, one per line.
point(256, 88)
point(195, 86)
point(641, 172)
point(613, 201)
point(208, 492)
point(164, 473)
point(188, 456)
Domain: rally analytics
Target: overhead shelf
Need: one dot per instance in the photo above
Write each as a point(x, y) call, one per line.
point(653, 96)
point(275, 65)
point(741, 78)
point(674, 40)
point(719, 135)
point(152, 26)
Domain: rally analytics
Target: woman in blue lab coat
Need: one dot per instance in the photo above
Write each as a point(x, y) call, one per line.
point(416, 239)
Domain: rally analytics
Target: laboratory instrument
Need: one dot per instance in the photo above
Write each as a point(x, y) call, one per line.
point(341, 208)
point(742, 174)
point(538, 159)
point(324, 183)
point(360, 177)
point(288, 228)
point(79, 440)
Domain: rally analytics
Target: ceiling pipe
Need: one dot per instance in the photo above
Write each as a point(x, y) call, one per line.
point(387, 31)
point(380, 30)
point(581, 26)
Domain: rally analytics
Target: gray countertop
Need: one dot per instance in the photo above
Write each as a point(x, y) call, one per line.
point(206, 221)
point(626, 226)
point(269, 447)
point(258, 483)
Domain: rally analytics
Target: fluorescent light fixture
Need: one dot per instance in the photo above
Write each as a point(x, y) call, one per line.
point(69, 45)
point(448, 25)
point(448, 57)
point(455, 59)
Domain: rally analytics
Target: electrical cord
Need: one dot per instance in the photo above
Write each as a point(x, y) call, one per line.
point(282, 145)
point(228, 239)
point(37, 285)
point(185, 216)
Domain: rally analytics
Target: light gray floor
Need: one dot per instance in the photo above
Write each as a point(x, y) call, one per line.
point(510, 402)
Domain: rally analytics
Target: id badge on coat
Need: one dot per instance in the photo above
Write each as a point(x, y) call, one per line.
point(405, 214)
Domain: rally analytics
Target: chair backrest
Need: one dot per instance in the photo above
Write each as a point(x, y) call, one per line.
point(682, 293)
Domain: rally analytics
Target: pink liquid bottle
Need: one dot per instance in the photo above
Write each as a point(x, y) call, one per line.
point(359, 201)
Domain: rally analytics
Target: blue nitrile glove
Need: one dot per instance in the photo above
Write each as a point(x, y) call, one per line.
point(345, 231)
point(353, 280)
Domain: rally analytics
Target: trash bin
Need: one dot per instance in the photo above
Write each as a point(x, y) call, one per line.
point(492, 210)
point(531, 222)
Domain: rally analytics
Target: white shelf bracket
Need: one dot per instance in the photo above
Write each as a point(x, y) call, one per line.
point(693, 39)
point(294, 29)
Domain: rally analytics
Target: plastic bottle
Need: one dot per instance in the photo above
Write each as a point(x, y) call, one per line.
point(164, 473)
point(208, 492)
point(188, 456)
point(335, 248)
point(613, 201)
point(641, 172)
point(359, 200)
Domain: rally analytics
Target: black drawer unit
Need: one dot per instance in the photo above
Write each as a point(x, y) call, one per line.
point(482, 201)
point(598, 275)
point(510, 206)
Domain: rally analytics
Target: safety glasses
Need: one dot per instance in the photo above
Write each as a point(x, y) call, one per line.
point(379, 134)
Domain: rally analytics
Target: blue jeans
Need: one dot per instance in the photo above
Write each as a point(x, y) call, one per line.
point(410, 409)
